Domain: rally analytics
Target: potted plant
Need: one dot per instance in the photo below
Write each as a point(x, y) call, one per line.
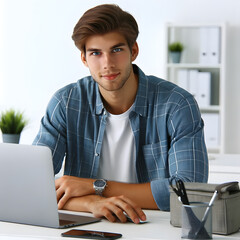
point(11, 125)
point(175, 50)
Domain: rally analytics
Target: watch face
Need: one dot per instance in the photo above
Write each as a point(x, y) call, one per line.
point(100, 183)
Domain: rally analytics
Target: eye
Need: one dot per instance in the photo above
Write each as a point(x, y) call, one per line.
point(117, 50)
point(95, 53)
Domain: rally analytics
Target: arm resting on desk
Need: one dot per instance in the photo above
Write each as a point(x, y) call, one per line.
point(112, 208)
point(77, 194)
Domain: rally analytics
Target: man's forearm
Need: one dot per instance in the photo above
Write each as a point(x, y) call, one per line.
point(139, 193)
point(112, 208)
point(70, 187)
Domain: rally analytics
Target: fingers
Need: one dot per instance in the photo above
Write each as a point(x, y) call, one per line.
point(114, 208)
point(109, 210)
point(62, 191)
point(133, 210)
point(62, 197)
point(62, 201)
point(69, 186)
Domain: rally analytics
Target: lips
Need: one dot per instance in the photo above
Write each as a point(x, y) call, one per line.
point(111, 76)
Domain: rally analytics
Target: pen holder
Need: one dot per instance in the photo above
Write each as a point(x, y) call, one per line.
point(197, 221)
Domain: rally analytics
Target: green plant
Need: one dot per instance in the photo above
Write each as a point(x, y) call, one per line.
point(175, 47)
point(12, 122)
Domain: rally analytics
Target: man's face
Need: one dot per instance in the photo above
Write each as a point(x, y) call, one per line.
point(109, 60)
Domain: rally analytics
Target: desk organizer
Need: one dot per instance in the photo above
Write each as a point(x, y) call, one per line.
point(225, 210)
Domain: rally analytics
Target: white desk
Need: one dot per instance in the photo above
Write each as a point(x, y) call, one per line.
point(224, 168)
point(158, 227)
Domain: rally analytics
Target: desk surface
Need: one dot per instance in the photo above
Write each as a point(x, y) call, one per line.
point(224, 162)
point(224, 168)
point(158, 227)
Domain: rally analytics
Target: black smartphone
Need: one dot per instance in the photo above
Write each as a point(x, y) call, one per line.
point(91, 234)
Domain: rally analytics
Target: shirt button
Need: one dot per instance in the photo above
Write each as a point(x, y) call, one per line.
point(96, 154)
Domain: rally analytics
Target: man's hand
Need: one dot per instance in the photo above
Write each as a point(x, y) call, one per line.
point(69, 186)
point(112, 208)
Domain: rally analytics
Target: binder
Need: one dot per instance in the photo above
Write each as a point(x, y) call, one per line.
point(209, 45)
point(203, 54)
point(204, 89)
point(211, 129)
point(214, 45)
point(193, 83)
point(182, 79)
point(197, 83)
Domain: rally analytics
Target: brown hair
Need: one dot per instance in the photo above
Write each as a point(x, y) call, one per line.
point(104, 19)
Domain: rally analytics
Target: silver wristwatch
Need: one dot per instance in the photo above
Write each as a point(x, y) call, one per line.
point(99, 185)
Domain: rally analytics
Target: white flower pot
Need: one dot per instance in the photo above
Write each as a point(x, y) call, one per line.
point(11, 138)
point(175, 57)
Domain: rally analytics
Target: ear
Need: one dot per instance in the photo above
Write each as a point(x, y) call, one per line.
point(135, 51)
point(83, 58)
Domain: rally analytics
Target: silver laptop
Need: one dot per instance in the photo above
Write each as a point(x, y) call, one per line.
point(27, 188)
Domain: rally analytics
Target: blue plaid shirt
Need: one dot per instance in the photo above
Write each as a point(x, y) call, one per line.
point(165, 121)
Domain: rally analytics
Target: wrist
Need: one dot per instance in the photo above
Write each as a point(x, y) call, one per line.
point(91, 202)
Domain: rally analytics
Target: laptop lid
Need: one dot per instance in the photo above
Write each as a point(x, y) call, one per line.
point(27, 187)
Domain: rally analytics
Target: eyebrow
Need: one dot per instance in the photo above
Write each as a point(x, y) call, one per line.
point(114, 46)
point(118, 45)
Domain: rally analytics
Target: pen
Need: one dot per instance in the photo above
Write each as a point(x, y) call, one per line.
point(216, 192)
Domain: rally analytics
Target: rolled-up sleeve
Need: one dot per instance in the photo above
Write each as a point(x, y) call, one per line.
point(187, 154)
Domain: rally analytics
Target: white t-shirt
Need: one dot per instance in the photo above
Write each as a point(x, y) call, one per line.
point(117, 160)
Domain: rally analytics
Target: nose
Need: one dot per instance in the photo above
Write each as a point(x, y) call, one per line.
point(108, 61)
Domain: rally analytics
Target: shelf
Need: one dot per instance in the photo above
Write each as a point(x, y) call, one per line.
point(193, 65)
point(213, 108)
point(216, 149)
point(193, 25)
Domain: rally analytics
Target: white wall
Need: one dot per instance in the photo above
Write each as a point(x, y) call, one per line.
point(37, 55)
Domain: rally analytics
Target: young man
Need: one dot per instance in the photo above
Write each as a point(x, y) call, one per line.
point(123, 134)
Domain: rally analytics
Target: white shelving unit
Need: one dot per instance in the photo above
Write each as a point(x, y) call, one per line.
point(199, 41)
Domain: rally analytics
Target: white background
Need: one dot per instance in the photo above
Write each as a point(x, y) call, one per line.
point(37, 55)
